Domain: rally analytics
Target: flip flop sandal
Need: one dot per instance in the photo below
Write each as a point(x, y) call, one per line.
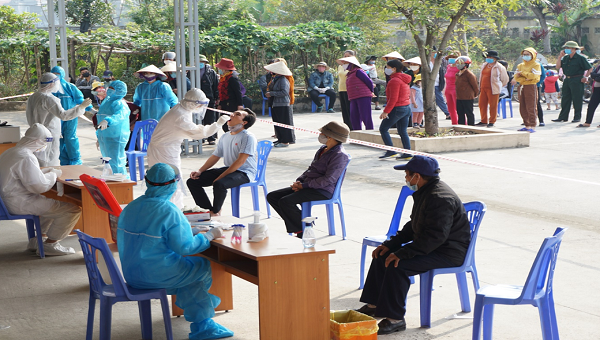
point(583, 126)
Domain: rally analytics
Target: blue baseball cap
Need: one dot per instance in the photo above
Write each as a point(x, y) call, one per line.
point(425, 166)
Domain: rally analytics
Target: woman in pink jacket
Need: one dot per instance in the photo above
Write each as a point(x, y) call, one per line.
point(450, 89)
point(360, 91)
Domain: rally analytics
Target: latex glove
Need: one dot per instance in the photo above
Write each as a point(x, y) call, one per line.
point(214, 233)
point(87, 102)
point(58, 172)
point(92, 111)
point(103, 125)
point(327, 88)
point(196, 230)
point(223, 119)
point(47, 170)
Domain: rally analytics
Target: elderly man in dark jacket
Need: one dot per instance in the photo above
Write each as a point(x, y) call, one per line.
point(437, 236)
point(209, 84)
point(318, 181)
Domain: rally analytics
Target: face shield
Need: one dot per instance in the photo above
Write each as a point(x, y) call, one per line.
point(42, 152)
point(50, 83)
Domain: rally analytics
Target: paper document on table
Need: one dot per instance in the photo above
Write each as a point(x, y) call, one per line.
point(114, 178)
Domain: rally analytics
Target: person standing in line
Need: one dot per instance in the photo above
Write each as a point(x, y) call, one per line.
point(492, 79)
point(551, 89)
point(528, 74)
point(540, 112)
point(466, 91)
point(440, 82)
point(280, 93)
point(230, 89)
point(450, 88)
point(397, 110)
point(342, 92)
point(576, 69)
point(595, 99)
point(416, 101)
point(209, 84)
point(360, 92)
point(371, 70)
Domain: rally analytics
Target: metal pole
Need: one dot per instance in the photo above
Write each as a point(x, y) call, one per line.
point(62, 31)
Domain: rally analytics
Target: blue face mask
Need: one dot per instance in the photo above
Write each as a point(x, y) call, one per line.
point(527, 57)
point(110, 92)
point(221, 71)
point(452, 60)
point(489, 60)
point(435, 55)
point(201, 65)
point(173, 75)
point(567, 51)
point(578, 51)
point(412, 187)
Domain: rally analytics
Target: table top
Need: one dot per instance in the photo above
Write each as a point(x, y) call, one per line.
point(74, 171)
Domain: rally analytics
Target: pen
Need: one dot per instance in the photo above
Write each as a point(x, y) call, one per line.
point(71, 179)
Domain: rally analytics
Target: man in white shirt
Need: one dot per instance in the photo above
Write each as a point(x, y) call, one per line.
point(238, 150)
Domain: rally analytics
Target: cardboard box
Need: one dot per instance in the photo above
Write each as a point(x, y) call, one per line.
point(352, 325)
point(10, 134)
point(197, 216)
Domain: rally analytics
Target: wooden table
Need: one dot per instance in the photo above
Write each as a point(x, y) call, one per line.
point(293, 283)
point(6, 146)
point(93, 221)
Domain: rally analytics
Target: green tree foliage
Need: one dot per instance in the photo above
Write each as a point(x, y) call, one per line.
point(13, 23)
point(152, 15)
point(569, 20)
point(101, 11)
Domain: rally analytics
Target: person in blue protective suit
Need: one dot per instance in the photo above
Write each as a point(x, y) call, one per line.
point(153, 96)
point(113, 126)
point(70, 96)
point(154, 238)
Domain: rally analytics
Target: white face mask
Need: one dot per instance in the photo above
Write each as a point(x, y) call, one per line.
point(346, 66)
point(412, 187)
point(414, 68)
point(236, 128)
point(388, 71)
point(322, 139)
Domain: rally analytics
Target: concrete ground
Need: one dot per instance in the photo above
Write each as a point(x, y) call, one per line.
point(48, 299)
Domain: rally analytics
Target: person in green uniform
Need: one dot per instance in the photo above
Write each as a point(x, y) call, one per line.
point(576, 69)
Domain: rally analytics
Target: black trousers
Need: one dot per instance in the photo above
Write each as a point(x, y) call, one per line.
point(387, 288)
point(314, 95)
point(465, 108)
point(210, 117)
point(376, 91)
point(592, 105)
point(220, 187)
point(539, 106)
point(345, 104)
point(285, 201)
point(283, 115)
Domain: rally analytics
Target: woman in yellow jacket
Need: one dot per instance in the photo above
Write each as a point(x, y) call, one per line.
point(528, 75)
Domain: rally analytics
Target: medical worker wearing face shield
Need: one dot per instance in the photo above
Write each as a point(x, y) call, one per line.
point(113, 126)
point(70, 96)
point(44, 108)
point(154, 238)
point(22, 182)
point(153, 96)
point(175, 126)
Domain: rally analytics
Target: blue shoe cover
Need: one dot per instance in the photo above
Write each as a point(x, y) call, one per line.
point(208, 329)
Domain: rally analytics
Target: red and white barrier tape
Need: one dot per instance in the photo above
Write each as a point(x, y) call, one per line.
point(17, 96)
point(412, 152)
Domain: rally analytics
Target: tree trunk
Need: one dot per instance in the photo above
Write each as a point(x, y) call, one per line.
point(541, 16)
point(38, 64)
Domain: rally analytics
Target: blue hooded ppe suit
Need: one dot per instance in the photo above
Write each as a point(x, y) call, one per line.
point(71, 97)
point(153, 238)
point(113, 139)
point(155, 99)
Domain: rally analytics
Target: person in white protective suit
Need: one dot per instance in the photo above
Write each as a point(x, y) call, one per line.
point(22, 182)
point(44, 108)
point(175, 126)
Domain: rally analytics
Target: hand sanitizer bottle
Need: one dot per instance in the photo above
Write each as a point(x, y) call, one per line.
point(106, 170)
point(308, 236)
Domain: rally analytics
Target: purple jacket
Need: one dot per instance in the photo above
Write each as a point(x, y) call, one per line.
point(323, 173)
point(358, 84)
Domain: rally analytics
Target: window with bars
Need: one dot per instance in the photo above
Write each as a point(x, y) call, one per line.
point(585, 30)
point(597, 30)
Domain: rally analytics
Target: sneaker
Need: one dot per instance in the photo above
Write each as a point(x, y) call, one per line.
point(389, 154)
point(281, 145)
point(404, 157)
point(32, 245)
point(576, 121)
point(330, 111)
point(212, 142)
point(523, 129)
point(530, 130)
point(415, 125)
point(448, 117)
point(542, 124)
point(377, 108)
point(56, 249)
point(490, 125)
point(319, 109)
point(480, 124)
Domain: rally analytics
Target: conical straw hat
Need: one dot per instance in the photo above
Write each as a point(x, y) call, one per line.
point(394, 55)
point(352, 60)
point(279, 68)
point(151, 69)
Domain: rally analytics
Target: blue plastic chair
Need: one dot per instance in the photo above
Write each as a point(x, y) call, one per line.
point(376, 241)
point(142, 132)
point(537, 291)
point(314, 106)
point(475, 211)
point(502, 105)
point(116, 292)
point(34, 228)
point(335, 199)
point(265, 100)
point(263, 149)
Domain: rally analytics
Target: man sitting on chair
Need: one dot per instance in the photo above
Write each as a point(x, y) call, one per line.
point(437, 236)
point(318, 182)
point(238, 150)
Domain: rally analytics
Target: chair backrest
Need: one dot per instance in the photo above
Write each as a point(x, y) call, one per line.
point(539, 280)
point(89, 246)
point(395, 224)
point(338, 186)
point(263, 149)
point(475, 211)
point(142, 132)
point(261, 91)
point(104, 199)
